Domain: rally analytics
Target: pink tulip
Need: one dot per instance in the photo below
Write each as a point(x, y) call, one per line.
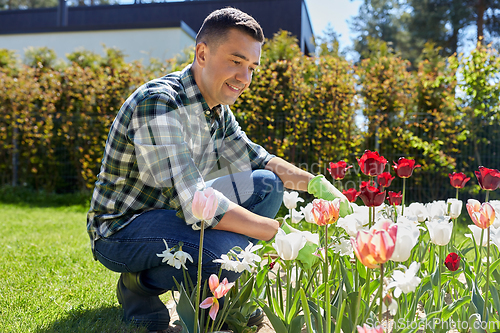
point(483, 215)
point(376, 246)
point(325, 212)
point(219, 290)
point(368, 329)
point(205, 204)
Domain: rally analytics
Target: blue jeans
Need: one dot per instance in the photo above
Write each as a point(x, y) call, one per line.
point(134, 248)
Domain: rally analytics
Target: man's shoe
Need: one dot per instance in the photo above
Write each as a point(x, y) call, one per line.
point(256, 318)
point(141, 304)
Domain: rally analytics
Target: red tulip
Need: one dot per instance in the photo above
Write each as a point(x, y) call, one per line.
point(371, 163)
point(404, 168)
point(489, 179)
point(483, 215)
point(395, 198)
point(351, 194)
point(458, 179)
point(371, 195)
point(385, 179)
point(337, 170)
point(452, 261)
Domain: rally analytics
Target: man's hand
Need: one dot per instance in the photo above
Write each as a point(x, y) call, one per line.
point(323, 189)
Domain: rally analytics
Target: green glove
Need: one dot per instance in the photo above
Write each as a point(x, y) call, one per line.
point(323, 189)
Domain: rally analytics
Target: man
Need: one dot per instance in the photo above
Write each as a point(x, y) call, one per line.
point(166, 141)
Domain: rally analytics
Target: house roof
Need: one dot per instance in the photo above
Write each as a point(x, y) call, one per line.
point(273, 16)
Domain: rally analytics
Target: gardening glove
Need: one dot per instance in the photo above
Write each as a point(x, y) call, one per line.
point(323, 189)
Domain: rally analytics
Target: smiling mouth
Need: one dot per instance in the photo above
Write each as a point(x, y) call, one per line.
point(236, 89)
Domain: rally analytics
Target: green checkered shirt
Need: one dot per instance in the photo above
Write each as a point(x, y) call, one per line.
point(162, 145)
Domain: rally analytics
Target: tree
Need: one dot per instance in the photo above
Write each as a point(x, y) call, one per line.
point(408, 24)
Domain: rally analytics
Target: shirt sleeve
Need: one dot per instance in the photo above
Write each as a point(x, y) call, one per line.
point(239, 150)
point(163, 157)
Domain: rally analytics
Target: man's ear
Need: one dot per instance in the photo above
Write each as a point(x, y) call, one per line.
point(201, 54)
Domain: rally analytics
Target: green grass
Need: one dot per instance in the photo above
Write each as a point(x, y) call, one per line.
point(49, 281)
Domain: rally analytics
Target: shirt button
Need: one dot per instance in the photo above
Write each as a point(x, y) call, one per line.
point(207, 112)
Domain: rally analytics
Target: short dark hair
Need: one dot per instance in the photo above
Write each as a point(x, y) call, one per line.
point(216, 26)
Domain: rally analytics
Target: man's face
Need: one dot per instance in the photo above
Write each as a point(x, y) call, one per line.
point(228, 68)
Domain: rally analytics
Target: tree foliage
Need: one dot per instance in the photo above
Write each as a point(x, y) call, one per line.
point(55, 117)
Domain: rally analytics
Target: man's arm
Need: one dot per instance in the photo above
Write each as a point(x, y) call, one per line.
point(242, 221)
point(239, 220)
point(291, 176)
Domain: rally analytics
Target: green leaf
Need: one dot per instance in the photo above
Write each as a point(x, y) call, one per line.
point(276, 322)
point(475, 324)
point(185, 310)
point(296, 324)
point(449, 310)
point(477, 298)
point(307, 311)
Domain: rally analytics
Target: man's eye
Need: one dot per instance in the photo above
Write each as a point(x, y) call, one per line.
point(236, 62)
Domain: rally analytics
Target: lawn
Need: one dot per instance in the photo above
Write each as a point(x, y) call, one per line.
point(49, 279)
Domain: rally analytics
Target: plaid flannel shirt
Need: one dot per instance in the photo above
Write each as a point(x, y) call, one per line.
point(163, 143)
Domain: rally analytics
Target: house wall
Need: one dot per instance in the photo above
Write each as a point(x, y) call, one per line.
point(137, 44)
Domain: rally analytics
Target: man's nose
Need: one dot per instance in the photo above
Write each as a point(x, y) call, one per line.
point(244, 76)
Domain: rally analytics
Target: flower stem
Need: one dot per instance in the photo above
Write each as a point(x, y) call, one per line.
point(441, 255)
point(485, 310)
point(198, 284)
point(403, 198)
point(325, 281)
point(381, 293)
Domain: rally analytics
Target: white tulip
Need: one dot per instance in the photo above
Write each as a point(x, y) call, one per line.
point(352, 223)
point(296, 216)
point(436, 208)
point(310, 237)
point(496, 207)
point(476, 235)
point(440, 230)
point(406, 239)
point(417, 210)
point(290, 199)
point(455, 207)
point(288, 246)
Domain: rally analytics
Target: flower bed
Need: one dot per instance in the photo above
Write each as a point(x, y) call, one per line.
point(353, 267)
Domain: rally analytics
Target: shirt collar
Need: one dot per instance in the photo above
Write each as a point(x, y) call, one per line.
point(194, 95)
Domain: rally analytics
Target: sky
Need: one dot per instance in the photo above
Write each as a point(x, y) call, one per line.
point(335, 12)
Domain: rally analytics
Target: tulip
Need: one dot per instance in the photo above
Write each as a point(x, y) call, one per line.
point(455, 207)
point(385, 179)
point(218, 290)
point(371, 163)
point(436, 208)
point(205, 204)
point(496, 207)
point(368, 329)
point(353, 223)
point(406, 240)
point(458, 179)
point(418, 210)
point(338, 170)
point(483, 215)
point(394, 198)
point(376, 246)
point(351, 194)
point(325, 212)
point(476, 235)
point(288, 246)
point(452, 261)
point(371, 195)
point(290, 199)
point(440, 230)
point(404, 167)
point(489, 179)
